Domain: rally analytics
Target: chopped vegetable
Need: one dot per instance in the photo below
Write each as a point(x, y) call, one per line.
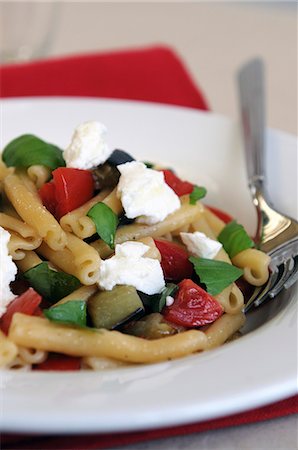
point(57, 362)
point(105, 176)
point(119, 157)
point(216, 275)
point(28, 150)
point(105, 221)
point(49, 283)
point(72, 188)
point(26, 303)
point(169, 290)
point(179, 186)
point(197, 193)
point(152, 326)
point(226, 218)
point(73, 312)
point(234, 239)
point(174, 260)
point(110, 309)
point(192, 307)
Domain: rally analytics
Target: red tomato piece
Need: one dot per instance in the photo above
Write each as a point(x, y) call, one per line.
point(26, 303)
point(174, 260)
point(193, 306)
point(69, 189)
point(59, 362)
point(73, 188)
point(48, 196)
point(179, 186)
point(225, 217)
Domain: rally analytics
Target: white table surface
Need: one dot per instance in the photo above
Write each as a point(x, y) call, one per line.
point(213, 39)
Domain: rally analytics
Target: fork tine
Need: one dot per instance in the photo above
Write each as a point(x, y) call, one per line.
point(286, 270)
point(294, 275)
point(273, 279)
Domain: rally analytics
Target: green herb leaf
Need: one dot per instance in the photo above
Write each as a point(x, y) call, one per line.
point(169, 289)
point(197, 193)
point(105, 221)
point(216, 275)
point(148, 164)
point(51, 285)
point(234, 239)
point(73, 312)
point(28, 150)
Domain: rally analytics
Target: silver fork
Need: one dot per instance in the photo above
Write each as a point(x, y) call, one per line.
point(277, 234)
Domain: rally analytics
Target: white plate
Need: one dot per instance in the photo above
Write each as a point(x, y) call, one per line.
point(259, 368)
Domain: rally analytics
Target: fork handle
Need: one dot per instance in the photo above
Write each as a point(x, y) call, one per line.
point(252, 106)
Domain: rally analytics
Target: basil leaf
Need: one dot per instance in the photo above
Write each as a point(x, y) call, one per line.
point(28, 150)
point(234, 238)
point(197, 193)
point(73, 312)
point(216, 275)
point(105, 221)
point(51, 285)
point(169, 289)
point(148, 164)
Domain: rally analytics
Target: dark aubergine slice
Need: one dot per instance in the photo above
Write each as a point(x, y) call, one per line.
point(119, 157)
point(105, 176)
point(111, 309)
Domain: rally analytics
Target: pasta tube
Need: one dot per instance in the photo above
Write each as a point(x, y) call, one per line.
point(223, 328)
point(36, 332)
point(186, 214)
point(81, 225)
point(39, 175)
point(28, 205)
point(8, 350)
point(77, 258)
point(255, 265)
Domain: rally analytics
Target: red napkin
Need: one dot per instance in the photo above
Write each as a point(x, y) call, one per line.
point(102, 441)
point(153, 74)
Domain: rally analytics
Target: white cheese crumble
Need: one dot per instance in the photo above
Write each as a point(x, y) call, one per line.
point(169, 300)
point(144, 192)
point(198, 244)
point(129, 267)
point(88, 147)
point(8, 271)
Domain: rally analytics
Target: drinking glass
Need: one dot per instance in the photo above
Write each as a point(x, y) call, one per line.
point(26, 29)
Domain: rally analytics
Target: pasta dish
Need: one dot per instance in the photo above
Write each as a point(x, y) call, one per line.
point(108, 261)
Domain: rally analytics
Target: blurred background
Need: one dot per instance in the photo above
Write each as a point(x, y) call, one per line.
point(212, 38)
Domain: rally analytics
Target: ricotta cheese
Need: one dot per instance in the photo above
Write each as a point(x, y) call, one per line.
point(88, 147)
point(8, 271)
point(144, 193)
point(129, 267)
point(198, 244)
point(169, 300)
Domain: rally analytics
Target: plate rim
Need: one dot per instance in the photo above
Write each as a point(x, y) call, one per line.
point(288, 389)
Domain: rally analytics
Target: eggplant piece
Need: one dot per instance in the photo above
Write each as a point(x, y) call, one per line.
point(152, 326)
point(105, 176)
point(111, 309)
point(119, 157)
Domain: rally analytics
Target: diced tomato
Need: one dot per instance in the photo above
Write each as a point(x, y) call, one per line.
point(225, 217)
point(174, 260)
point(179, 186)
point(192, 307)
point(69, 189)
point(26, 303)
point(74, 187)
point(59, 362)
point(48, 197)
